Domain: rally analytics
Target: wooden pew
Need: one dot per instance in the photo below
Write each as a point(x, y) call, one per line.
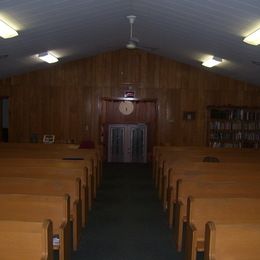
point(159, 153)
point(37, 208)
point(208, 189)
point(86, 162)
point(26, 240)
point(38, 146)
point(196, 163)
point(56, 151)
point(172, 154)
point(219, 210)
point(208, 172)
point(39, 168)
point(56, 187)
point(91, 157)
point(169, 167)
point(169, 157)
point(232, 241)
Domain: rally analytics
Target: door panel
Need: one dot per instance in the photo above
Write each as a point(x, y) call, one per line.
point(138, 143)
point(116, 147)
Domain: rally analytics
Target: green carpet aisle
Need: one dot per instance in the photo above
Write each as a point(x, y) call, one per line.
point(127, 221)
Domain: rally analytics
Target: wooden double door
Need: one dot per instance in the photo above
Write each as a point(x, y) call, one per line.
point(127, 143)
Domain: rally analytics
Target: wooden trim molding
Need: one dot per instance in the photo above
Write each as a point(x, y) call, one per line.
point(129, 99)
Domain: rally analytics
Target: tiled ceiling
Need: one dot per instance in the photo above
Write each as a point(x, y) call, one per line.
point(184, 30)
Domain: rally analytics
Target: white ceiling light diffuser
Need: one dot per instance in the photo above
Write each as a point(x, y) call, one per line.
point(47, 57)
point(6, 31)
point(253, 38)
point(213, 61)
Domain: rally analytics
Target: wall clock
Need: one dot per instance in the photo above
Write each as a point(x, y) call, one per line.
point(126, 107)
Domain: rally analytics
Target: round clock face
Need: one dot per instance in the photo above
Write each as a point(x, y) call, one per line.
point(126, 107)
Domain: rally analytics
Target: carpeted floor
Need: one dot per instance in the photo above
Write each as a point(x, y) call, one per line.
point(127, 221)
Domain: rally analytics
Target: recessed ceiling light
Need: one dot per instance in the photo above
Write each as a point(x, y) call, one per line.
point(48, 57)
point(211, 62)
point(6, 31)
point(253, 38)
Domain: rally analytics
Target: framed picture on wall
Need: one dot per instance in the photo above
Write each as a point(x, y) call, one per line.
point(48, 139)
point(189, 115)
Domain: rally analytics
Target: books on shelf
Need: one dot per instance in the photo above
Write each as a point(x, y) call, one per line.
point(233, 127)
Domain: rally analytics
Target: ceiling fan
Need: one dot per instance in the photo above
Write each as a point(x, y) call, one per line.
point(133, 42)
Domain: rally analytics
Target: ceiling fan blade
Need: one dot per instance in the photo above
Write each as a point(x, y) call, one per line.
point(147, 48)
point(134, 39)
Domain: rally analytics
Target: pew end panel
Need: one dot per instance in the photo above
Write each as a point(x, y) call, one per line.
point(190, 242)
point(170, 208)
point(179, 224)
point(76, 221)
point(210, 240)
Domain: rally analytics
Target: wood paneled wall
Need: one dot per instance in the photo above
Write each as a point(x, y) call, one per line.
point(65, 99)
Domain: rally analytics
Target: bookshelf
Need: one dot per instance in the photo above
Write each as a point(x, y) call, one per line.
point(237, 127)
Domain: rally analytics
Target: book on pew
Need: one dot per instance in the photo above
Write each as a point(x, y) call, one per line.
point(72, 158)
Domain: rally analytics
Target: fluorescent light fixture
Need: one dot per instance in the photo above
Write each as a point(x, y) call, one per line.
point(6, 31)
point(47, 57)
point(212, 62)
point(253, 38)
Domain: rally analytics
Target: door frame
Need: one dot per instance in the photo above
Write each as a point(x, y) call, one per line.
point(1, 116)
point(104, 121)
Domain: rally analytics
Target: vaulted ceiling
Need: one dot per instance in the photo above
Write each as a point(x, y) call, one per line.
point(184, 30)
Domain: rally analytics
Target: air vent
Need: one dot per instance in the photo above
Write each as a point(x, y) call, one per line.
point(3, 56)
point(257, 63)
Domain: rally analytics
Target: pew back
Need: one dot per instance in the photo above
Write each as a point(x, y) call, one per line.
point(230, 241)
point(26, 240)
point(191, 170)
point(53, 172)
point(209, 172)
point(203, 189)
point(55, 187)
point(219, 210)
point(37, 208)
